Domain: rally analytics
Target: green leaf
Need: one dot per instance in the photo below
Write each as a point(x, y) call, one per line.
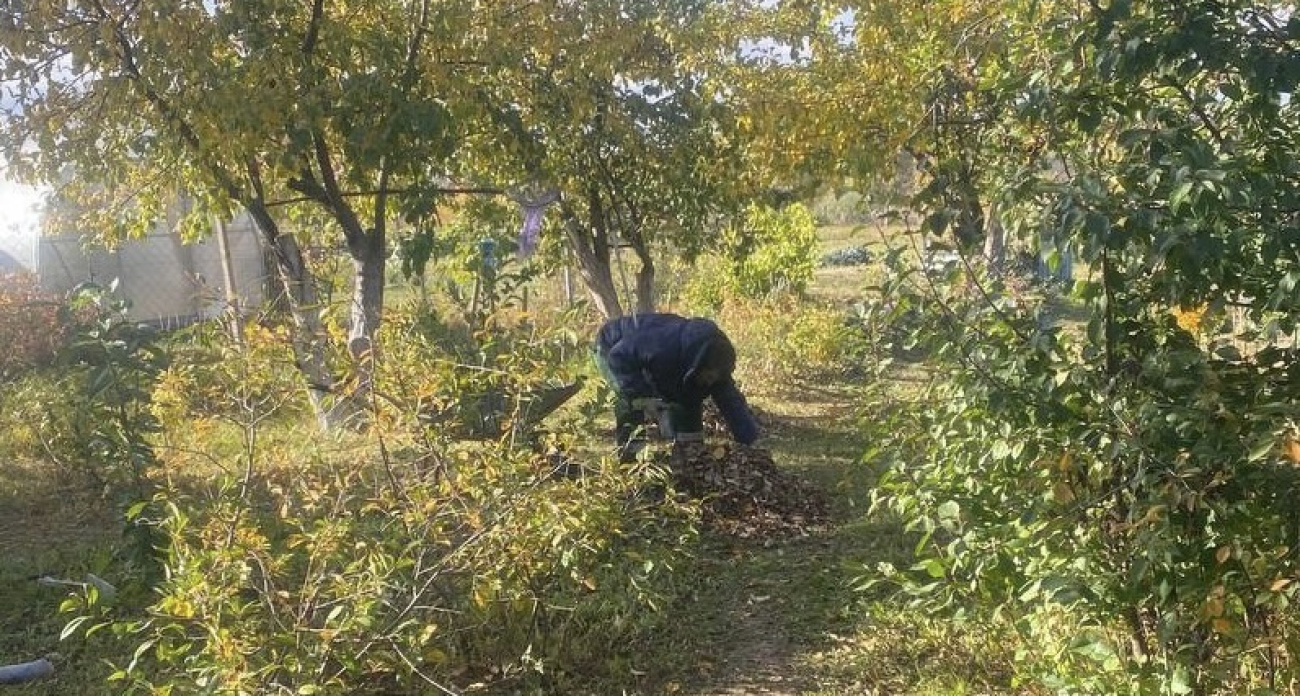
point(1089, 120)
point(1179, 195)
point(932, 566)
point(1097, 650)
point(1180, 682)
point(72, 627)
point(1262, 448)
point(1096, 225)
point(334, 614)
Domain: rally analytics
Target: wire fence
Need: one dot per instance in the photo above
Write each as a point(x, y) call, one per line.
point(171, 284)
point(17, 249)
point(166, 282)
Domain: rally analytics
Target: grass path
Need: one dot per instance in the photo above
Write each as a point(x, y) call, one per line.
point(775, 601)
point(782, 617)
point(764, 610)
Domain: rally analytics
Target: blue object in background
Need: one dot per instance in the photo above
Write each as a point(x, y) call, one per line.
point(487, 251)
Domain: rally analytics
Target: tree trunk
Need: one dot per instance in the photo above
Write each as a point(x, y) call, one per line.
point(595, 273)
point(309, 338)
point(645, 276)
point(368, 252)
point(232, 309)
point(590, 247)
point(368, 261)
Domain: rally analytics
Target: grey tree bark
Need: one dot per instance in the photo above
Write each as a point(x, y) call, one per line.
point(591, 248)
point(308, 337)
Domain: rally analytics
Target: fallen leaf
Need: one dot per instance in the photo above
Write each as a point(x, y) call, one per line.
point(1213, 608)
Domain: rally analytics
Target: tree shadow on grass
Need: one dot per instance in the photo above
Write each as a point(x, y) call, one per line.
point(790, 616)
point(759, 608)
point(50, 527)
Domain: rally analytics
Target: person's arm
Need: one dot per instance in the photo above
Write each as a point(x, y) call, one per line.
point(735, 410)
point(628, 369)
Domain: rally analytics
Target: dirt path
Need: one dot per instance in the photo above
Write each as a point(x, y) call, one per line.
point(774, 603)
point(783, 617)
point(759, 654)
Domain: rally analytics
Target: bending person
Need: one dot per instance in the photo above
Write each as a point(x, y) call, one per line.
point(677, 361)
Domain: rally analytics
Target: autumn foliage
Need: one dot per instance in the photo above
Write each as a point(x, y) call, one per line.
point(30, 327)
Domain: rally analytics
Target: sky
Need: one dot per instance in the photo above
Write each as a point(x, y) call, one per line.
point(19, 219)
point(19, 212)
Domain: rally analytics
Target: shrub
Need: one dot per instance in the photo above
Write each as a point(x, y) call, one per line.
point(849, 256)
point(462, 380)
point(848, 208)
point(707, 286)
point(1135, 526)
point(37, 417)
point(766, 252)
point(344, 579)
point(210, 376)
point(815, 338)
point(118, 362)
point(31, 327)
point(771, 250)
point(91, 416)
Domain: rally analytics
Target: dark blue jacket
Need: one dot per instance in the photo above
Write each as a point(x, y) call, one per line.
point(655, 355)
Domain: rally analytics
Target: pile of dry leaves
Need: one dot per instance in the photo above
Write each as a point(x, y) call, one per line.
point(743, 491)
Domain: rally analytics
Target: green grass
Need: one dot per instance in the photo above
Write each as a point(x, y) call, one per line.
point(783, 617)
point(59, 529)
point(845, 284)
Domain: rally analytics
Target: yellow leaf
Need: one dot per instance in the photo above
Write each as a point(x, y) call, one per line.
point(1223, 554)
point(179, 608)
point(589, 584)
point(1279, 584)
point(1066, 460)
point(1221, 625)
point(1292, 450)
point(1154, 514)
point(1190, 319)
